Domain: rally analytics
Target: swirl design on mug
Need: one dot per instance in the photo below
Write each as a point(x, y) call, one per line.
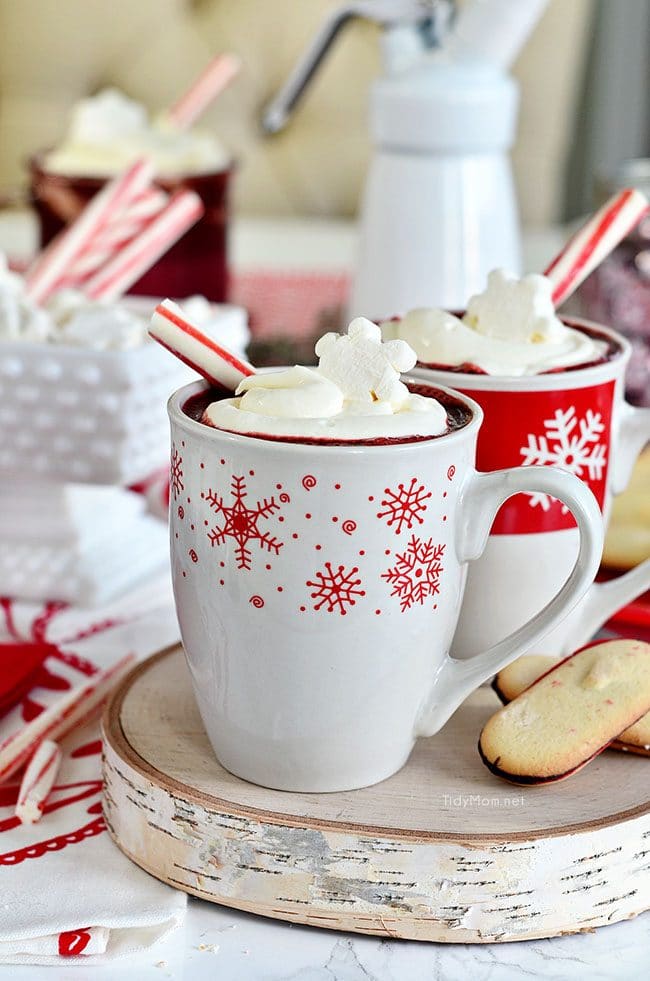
point(192, 554)
point(349, 526)
point(451, 472)
point(309, 481)
point(256, 601)
point(284, 498)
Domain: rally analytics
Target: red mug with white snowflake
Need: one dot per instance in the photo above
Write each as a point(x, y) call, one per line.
point(576, 419)
point(318, 587)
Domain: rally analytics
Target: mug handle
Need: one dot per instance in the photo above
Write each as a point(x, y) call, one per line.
point(633, 434)
point(602, 601)
point(480, 499)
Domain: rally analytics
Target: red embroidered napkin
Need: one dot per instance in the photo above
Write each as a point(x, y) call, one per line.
point(20, 666)
point(66, 890)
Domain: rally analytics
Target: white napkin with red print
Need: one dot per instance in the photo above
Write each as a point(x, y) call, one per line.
point(66, 891)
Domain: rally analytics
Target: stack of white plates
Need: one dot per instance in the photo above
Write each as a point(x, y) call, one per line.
point(77, 543)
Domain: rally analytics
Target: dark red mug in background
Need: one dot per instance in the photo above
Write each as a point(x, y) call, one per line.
point(197, 263)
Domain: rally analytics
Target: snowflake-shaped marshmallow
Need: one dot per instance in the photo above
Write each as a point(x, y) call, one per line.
point(517, 310)
point(365, 368)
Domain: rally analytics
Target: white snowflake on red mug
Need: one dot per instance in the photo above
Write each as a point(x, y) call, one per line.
point(416, 573)
point(240, 522)
point(580, 452)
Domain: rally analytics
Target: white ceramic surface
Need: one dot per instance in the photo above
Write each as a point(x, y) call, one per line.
point(532, 567)
point(318, 589)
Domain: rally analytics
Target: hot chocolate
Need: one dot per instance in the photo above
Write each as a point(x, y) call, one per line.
point(353, 396)
point(458, 416)
point(109, 131)
point(509, 330)
point(106, 134)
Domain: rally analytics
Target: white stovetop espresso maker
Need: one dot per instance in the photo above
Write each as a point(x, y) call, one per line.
point(439, 209)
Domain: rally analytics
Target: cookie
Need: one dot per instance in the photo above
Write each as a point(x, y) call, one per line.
point(627, 542)
point(519, 675)
point(525, 670)
point(626, 545)
point(570, 714)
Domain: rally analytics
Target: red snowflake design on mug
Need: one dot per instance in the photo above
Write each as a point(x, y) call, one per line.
point(240, 522)
point(176, 473)
point(335, 589)
point(416, 573)
point(405, 505)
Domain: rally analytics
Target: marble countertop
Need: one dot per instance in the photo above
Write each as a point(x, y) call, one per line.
point(220, 943)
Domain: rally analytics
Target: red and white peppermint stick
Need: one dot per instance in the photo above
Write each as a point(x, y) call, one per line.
point(594, 241)
point(210, 83)
point(42, 279)
point(171, 328)
point(157, 237)
point(37, 782)
point(68, 712)
point(115, 235)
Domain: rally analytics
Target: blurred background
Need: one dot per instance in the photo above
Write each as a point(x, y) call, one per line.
point(584, 77)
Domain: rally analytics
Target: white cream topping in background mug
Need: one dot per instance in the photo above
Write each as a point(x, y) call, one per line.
point(509, 329)
point(355, 393)
point(110, 131)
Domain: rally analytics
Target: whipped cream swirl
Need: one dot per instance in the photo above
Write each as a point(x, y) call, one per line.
point(354, 394)
point(109, 131)
point(510, 329)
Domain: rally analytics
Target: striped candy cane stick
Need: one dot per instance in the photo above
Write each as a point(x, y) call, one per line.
point(118, 232)
point(171, 328)
point(210, 83)
point(37, 782)
point(50, 267)
point(131, 262)
point(71, 710)
point(594, 241)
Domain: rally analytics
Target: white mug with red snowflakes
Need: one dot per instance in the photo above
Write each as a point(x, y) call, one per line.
point(318, 588)
point(574, 419)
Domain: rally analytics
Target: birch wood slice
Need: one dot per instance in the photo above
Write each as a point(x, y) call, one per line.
point(443, 851)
